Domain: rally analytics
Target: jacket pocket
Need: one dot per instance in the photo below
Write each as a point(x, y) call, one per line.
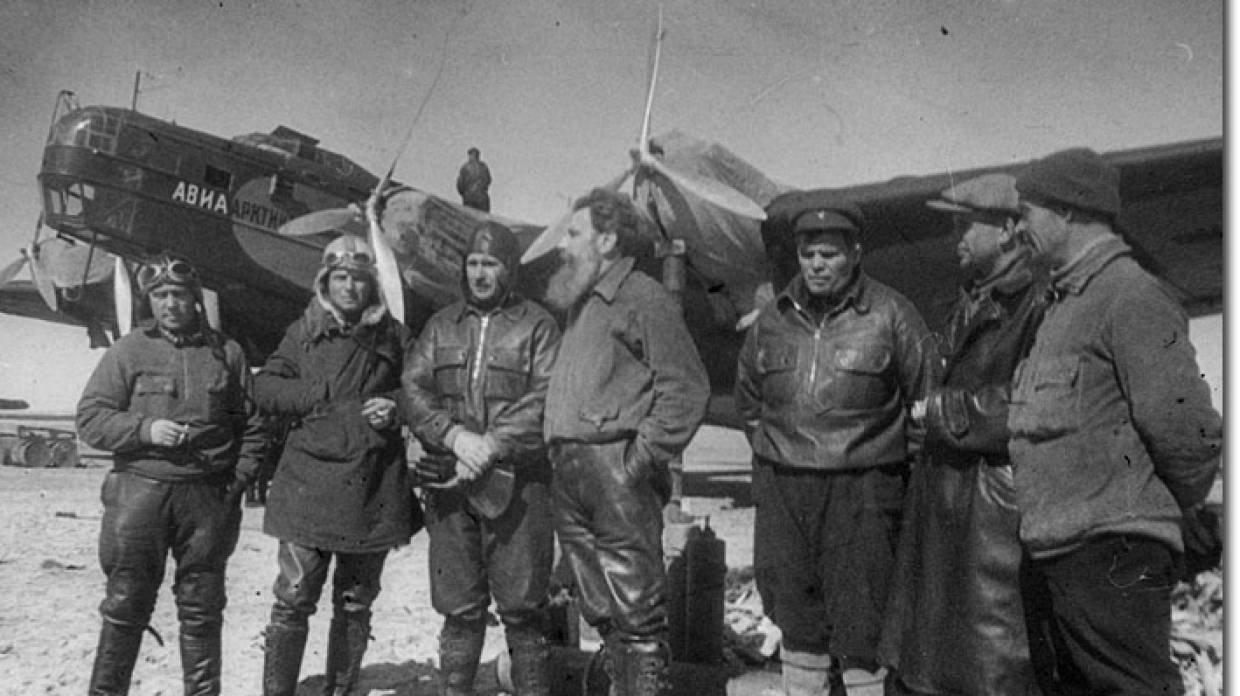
point(1046, 401)
point(776, 368)
point(154, 394)
point(450, 363)
point(599, 415)
point(856, 378)
point(506, 375)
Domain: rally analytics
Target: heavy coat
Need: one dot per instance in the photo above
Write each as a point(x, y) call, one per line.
point(1113, 431)
point(955, 622)
point(340, 485)
point(201, 381)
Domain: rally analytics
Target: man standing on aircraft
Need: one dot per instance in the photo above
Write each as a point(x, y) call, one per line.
point(825, 381)
point(1114, 442)
point(473, 181)
point(955, 623)
point(476, 384)
point(627, 392)
point(341, 487)
point(171, 402)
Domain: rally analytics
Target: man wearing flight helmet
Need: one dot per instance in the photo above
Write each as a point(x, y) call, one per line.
point(340, 488)
point(476, 385)
point(170, 401)
point(825, 382)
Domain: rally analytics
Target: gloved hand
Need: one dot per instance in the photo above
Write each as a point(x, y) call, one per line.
point(235, 491)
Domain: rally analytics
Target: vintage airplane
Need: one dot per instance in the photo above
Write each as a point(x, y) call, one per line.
point(253, 214)
point(133, 185)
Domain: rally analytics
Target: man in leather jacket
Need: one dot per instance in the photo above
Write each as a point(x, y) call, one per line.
point(955, 622)
point(626, 395)
point(825, 380)
point(341, 489)
point(476, 384)
point(171, 402)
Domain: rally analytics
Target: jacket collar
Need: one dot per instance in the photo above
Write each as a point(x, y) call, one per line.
point(512, 307)
point(1074, 275)
point(607, 286)
point(323, 320)
point(196, 338)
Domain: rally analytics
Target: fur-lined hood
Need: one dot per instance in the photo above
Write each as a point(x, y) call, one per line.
point(322, 315)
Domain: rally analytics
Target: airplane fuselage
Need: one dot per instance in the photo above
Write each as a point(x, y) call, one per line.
point(136, 186)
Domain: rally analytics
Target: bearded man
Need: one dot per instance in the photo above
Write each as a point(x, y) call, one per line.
point(627, 393)
point(955, 621)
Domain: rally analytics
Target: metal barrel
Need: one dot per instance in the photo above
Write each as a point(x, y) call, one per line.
point(32, 452)
point(8, 443)
point(64, 453)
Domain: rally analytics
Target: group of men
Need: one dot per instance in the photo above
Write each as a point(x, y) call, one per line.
point(996, 508)
point(526, 434)
point(1000, 507)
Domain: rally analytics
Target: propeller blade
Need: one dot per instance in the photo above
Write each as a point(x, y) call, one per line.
point(122, 297)
point(211, 307)
point(714, 192)
point(10, 271)
point(327, 220)
point(643, 143)
point(42, 279)
point(385, 258)
point(548, 239)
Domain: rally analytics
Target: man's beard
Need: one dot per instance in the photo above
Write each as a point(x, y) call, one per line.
point(572, 279)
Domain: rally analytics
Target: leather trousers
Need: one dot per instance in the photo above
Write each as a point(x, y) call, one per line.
point(609, 519)
point(143, 521)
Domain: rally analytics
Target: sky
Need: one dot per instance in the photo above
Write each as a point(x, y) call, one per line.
point(812, 92)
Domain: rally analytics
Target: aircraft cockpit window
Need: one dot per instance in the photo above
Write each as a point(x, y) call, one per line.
point(94, 129)
point(68, 201)
point(217, 178)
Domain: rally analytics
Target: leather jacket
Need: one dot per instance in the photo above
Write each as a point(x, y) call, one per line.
point(834, 394)
point(485, 371)
point(989, 332)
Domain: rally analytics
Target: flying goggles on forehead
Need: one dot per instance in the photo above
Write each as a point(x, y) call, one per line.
point(167, 270)
point(348, 258)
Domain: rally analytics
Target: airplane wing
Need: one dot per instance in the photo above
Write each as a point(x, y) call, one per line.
point(92, 308)
point(1172, 216)
point(82, 282)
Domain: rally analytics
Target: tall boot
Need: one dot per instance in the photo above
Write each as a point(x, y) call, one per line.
point(346, 646)
point(527, 646)
point(114, 659)
point(644, 669)
point(200, 660)
point(283, 649)
point(460, 648)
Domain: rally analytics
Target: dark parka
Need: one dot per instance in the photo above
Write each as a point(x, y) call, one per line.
point(955, 622)
point(340, 485)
